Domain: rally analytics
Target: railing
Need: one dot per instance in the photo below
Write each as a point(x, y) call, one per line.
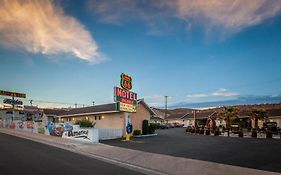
point(107, 133)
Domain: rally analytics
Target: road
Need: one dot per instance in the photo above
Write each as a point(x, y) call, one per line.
point(24, 157)
point(263, 154)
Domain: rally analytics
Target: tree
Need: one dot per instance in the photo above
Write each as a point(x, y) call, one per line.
point(258, 114)
point(145, 127)
point(228, 114)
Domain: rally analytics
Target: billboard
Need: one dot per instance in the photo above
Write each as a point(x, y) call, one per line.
point(12, 94)
point(127, 107)
point(124, 96)
point(12, 102)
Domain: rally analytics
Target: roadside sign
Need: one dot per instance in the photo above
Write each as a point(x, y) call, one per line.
point(127, 107)
point(124, 96)
point(12, 94)
point(12, 102)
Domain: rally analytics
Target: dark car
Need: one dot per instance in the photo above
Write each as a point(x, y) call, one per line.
point(271, 126)
point(163, 126)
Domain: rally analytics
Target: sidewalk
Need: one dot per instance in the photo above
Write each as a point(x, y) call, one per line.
point(148, 163)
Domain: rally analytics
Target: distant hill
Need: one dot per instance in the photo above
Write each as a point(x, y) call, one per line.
point(243, 109)
point(240, 101)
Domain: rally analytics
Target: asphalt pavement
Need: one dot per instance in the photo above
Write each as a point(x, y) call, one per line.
point(262, 154)
point(24, 157)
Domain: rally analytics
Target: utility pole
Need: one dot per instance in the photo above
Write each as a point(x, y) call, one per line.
point(194, 117)
point(75, 105)
point(13, 97)
point(166, 101)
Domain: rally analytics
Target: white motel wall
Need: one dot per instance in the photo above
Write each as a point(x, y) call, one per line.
point(111, 124)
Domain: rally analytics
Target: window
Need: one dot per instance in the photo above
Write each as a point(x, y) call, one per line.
point(99, 117)
point(95, 117)
point(21, 112)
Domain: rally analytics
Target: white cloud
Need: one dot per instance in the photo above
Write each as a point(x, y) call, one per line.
point(195, 96)
point(224, 93)
point(157, 100)
point(233, 15)
point(40, 26)
point(230, 16)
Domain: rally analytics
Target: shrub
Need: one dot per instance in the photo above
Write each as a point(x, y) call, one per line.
point(192, 130)
point(151, 128)
point(84, 123)
point(207, 132)
point(145, 127)
point(137, 132)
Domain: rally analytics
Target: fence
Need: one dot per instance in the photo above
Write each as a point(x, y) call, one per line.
point(105, 134)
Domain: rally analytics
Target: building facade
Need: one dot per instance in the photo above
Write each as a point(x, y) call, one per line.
point(107, 116)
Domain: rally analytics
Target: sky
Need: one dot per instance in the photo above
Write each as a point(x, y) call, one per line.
point(64, 52)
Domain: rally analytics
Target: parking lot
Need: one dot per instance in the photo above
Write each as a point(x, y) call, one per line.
point(263, 154)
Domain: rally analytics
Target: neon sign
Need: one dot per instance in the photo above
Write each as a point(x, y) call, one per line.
point(126, 82)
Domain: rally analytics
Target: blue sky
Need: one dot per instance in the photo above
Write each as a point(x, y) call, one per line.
point(188, 50)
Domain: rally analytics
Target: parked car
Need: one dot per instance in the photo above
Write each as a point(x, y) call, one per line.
point(271, 126)
point(163, 126)
point(177, 125)
point(170, 125)
point(234, 128)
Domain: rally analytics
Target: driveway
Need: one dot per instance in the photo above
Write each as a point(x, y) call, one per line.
point(263, 154)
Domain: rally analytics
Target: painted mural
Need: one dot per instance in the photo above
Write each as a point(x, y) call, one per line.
point(57, 129)
point(1, 124)
point(12, 125)
point(65, 130)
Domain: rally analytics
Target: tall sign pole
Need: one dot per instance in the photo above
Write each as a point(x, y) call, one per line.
point(126, 101)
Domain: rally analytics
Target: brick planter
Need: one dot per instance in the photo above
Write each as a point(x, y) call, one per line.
point(241, 134)
point(254, 134)
point(269, 135)
point(217, 133)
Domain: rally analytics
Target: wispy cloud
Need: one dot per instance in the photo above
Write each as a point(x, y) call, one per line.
point(40, 26)
point(197, 96)
point(222, 92)
point(156, 100)
point(230, 16)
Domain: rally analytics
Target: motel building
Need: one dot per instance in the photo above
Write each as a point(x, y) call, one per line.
point(110, 121)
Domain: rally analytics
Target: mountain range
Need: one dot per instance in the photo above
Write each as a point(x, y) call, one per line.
point(246, 100)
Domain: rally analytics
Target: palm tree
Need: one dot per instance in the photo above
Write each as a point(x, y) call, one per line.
point(258, 114)
point(228, 114)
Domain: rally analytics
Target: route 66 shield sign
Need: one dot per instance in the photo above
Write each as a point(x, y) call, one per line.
point(126, 81)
